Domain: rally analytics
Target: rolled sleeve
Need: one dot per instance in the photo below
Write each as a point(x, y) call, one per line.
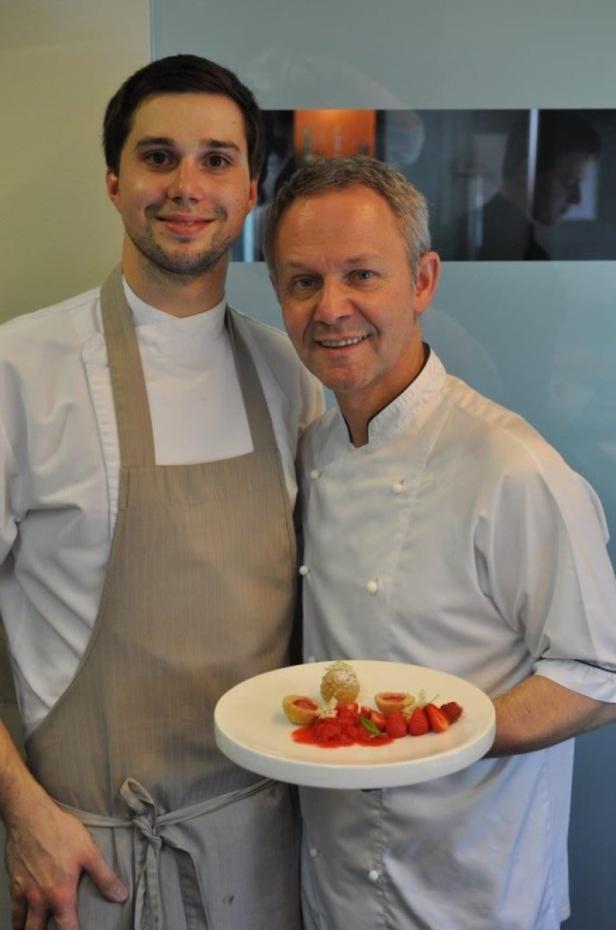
point(554, 580)
point(593, 681)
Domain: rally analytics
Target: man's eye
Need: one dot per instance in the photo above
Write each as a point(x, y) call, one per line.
point(215, 160)
point(158, 158)
point(362, 274)
point(302, 284)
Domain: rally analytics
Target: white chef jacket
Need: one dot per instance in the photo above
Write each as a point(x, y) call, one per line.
point(457, 538)
point(59, 457)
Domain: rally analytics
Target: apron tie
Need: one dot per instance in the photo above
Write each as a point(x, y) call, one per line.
point(155, 831)
point(148, 913)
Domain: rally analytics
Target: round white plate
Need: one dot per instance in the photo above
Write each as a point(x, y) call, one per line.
point(252, 730)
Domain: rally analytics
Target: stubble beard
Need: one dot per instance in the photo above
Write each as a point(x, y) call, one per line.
point(178, 263)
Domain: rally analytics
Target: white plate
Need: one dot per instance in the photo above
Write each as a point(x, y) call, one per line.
point(252, 730)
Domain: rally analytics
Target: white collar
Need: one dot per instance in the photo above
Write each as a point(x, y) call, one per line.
point(155, 326)
point(406, 411)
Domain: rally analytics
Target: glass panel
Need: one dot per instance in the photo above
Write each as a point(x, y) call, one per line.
point(503, 185)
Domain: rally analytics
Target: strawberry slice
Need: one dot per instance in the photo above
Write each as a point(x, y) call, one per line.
point(378, 719)
point(452, 710)
point(438, 721)
point(395, 724)
point(418, 722)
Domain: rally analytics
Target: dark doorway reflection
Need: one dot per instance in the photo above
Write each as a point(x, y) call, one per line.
point(503, 185)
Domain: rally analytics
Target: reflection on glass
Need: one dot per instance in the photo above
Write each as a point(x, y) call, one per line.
point(503, 185)
point(544, 169)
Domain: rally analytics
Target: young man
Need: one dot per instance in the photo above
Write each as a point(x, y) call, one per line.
point(148, 447)
point(442, 530)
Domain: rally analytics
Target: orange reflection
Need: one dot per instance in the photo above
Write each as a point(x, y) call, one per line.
point(334, 132)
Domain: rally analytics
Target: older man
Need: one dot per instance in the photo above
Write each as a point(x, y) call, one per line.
point(441, 530)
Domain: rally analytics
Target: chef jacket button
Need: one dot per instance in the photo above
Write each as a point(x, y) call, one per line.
point(398, 487)
point(373, 875)
point(315, 473)
point(313, 852)
point(304, 570)
point(372, 586)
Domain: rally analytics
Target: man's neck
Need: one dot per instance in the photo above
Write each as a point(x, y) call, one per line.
point(359, 408)
point(178, 295)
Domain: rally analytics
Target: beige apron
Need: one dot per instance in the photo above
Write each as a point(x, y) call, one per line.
point(198, 595)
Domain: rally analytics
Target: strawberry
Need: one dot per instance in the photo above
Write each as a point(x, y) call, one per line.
point(438, 721)
point(328, 731)
point(395, 724)
point(418, 722)
point(345, 713)
point(378, 719)
point(452, 710)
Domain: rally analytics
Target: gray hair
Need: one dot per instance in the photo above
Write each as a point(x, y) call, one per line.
point(322, 174)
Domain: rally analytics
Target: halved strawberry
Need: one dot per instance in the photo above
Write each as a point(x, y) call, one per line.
point(418, 722)
point(395, 724)
point(438, 721)
point(452, 710)
point(378, 719)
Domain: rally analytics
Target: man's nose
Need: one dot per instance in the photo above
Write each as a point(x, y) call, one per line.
point(333, 302)
point(186, 182)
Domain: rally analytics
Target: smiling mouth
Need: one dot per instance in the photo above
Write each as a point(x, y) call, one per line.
point(341, 343)
point(186, 223)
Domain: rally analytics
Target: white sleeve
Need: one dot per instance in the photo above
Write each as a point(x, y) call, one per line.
point(9, 476)
point(551, 576)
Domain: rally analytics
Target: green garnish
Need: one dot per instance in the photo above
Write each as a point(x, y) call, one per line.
point(370, 726)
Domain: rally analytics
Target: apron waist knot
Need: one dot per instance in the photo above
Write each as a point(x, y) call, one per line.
point(155, 830)
point(148, 910)
point(143, 806)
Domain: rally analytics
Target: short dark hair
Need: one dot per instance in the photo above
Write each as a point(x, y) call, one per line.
point(561, 132)
point(324, 174)
point(180, 74)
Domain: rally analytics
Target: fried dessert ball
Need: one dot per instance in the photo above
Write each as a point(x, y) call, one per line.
point(340, 682)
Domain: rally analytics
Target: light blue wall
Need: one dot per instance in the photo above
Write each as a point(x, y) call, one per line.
point(448, 53)
point(540, 337)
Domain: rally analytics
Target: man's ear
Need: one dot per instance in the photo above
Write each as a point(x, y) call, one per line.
point(428, 273)
point(112, 183)
point(253, 193)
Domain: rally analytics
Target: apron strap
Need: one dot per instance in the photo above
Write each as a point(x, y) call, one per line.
point(134, 422)
point(130, 396)
point(257, 411)
point(148, 911)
